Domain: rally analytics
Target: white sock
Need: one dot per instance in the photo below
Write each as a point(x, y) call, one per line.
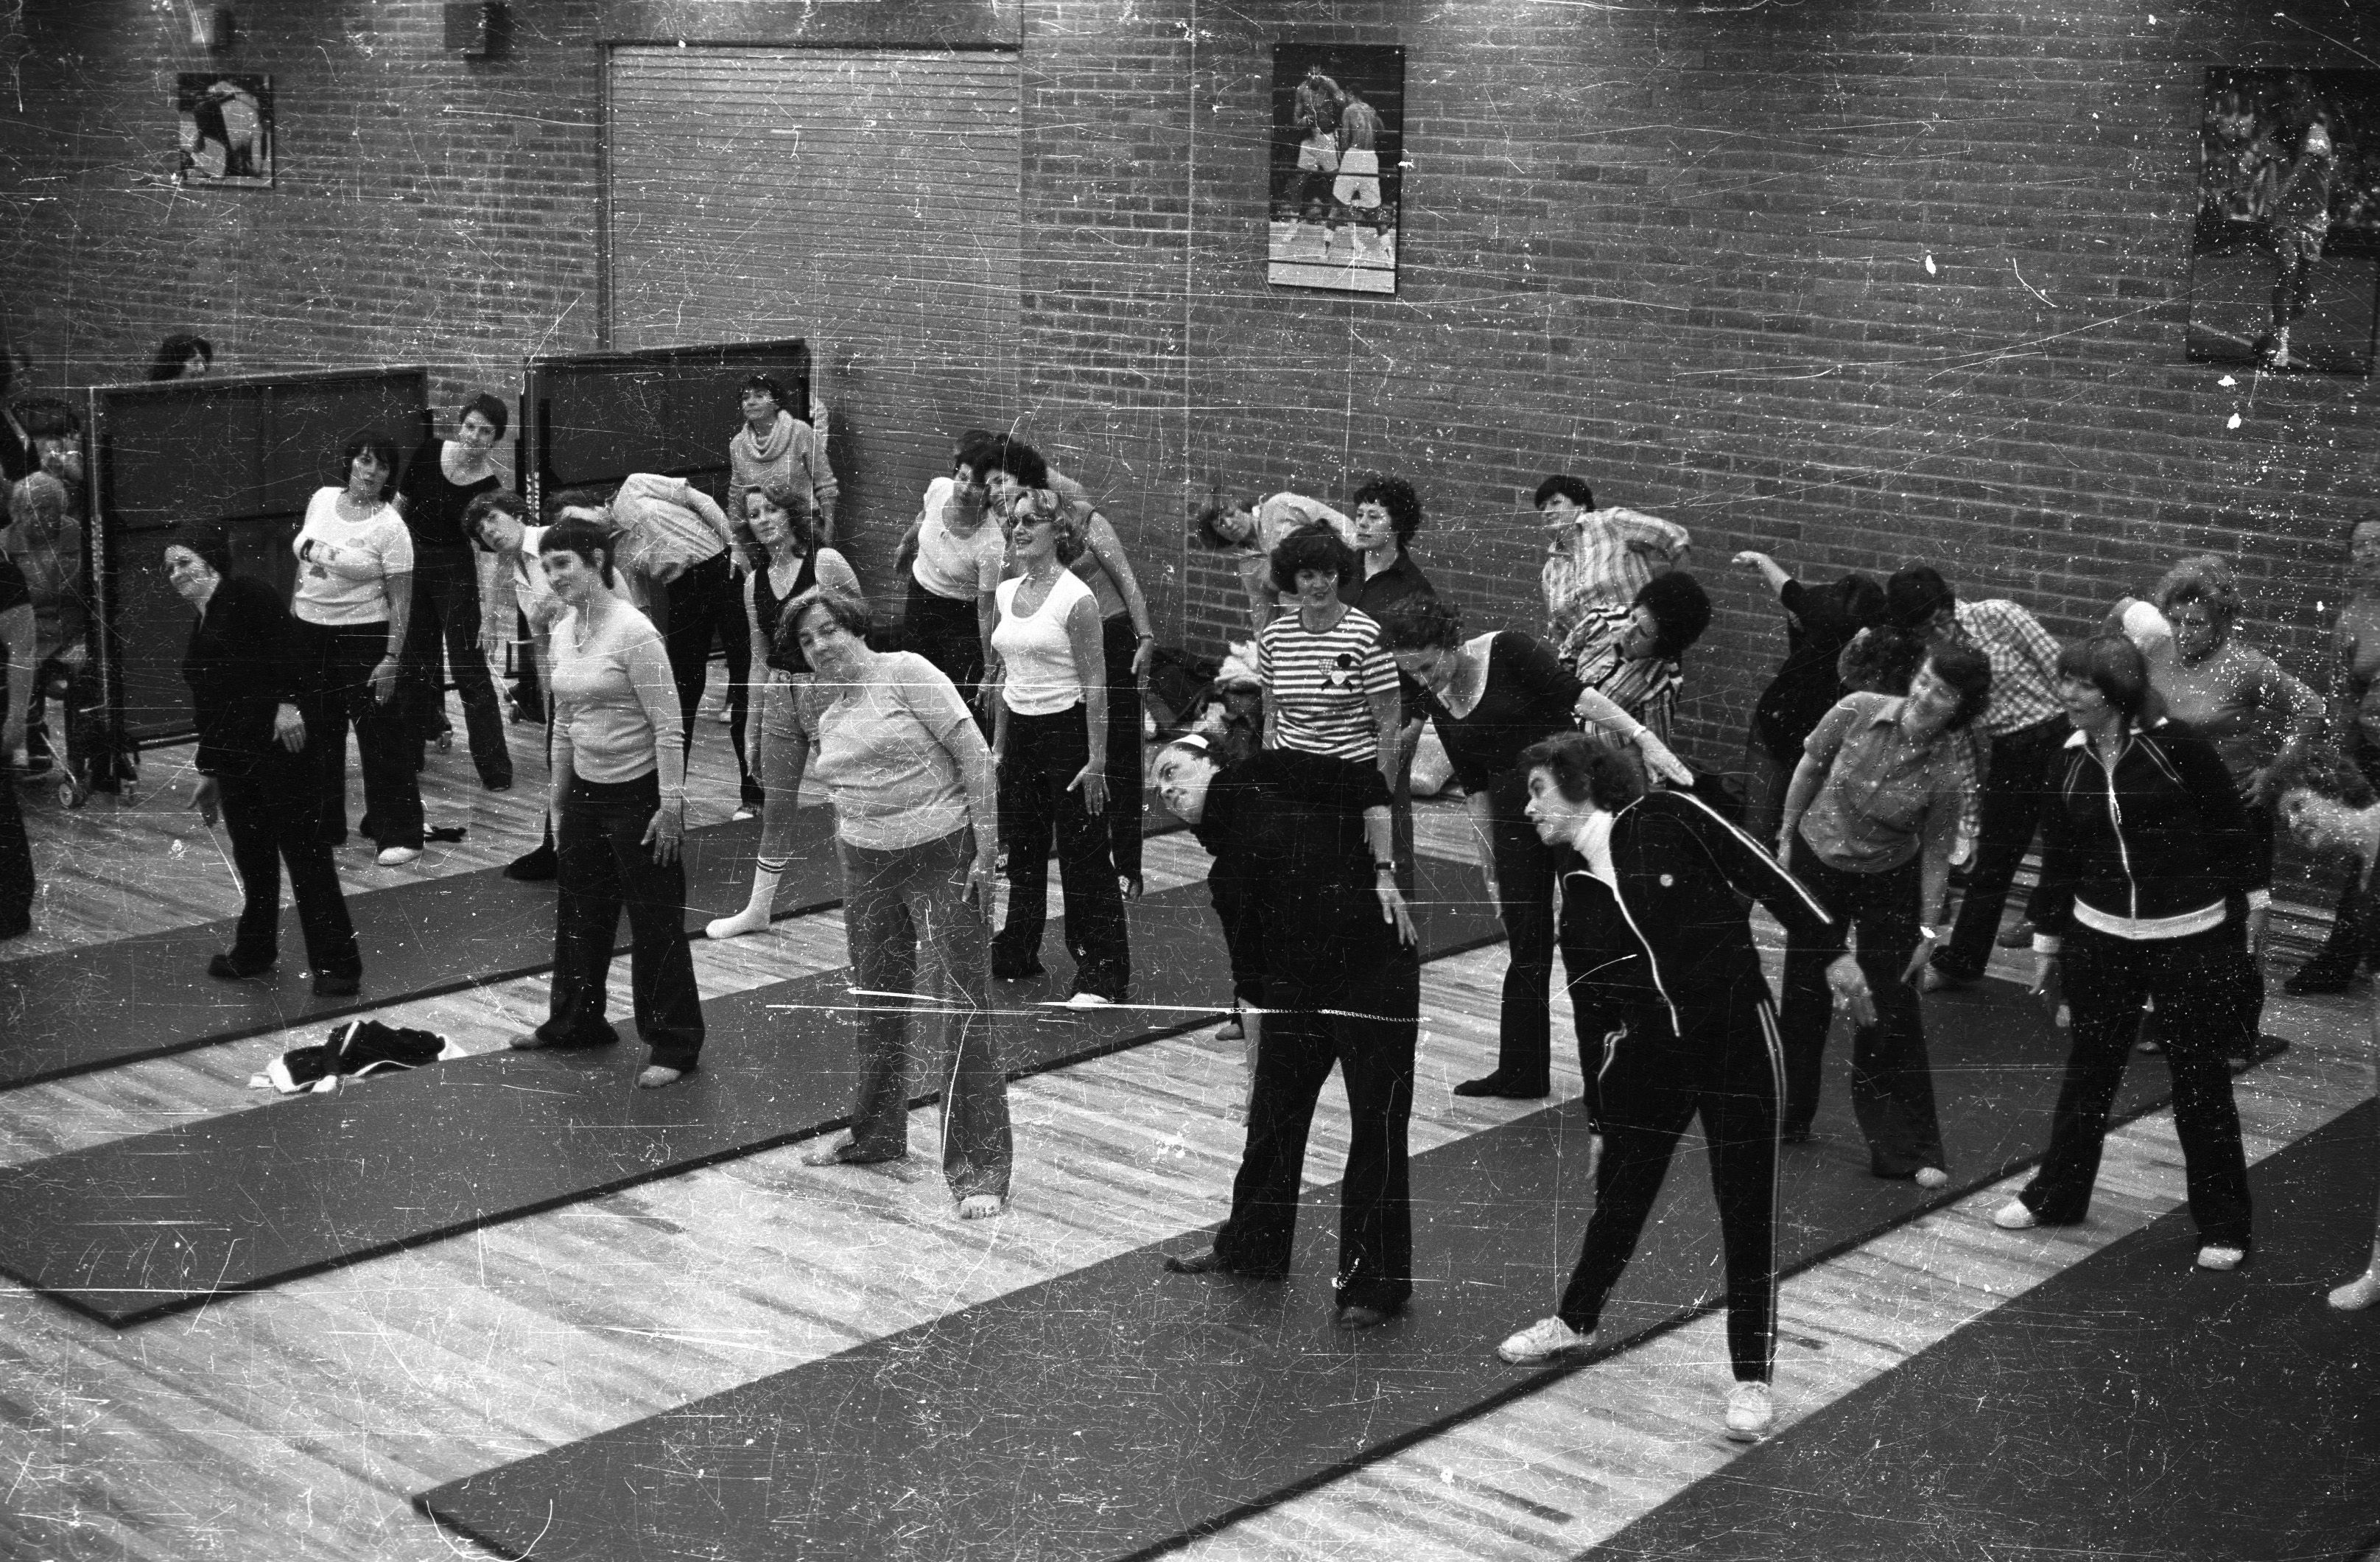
point(754, 917)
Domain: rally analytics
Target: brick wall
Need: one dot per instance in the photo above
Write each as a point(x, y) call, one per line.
point(1682, 253)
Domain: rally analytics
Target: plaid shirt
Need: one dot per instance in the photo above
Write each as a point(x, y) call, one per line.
point(1646, 689)
point(2024, 663)
point(1601, 561)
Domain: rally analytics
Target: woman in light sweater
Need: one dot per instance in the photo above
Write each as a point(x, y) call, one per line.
point(918, 826)
point(353, 601)
point(619, 805)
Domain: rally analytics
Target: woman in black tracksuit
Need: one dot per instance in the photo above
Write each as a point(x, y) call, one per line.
point(2148, 875)
point(1656, 934)
point(1303, 856)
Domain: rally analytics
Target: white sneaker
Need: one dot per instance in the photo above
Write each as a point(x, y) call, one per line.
point(397, 856)
point(2015, 1216)
point(1932, 1177)
point(2216, 1256)
point(1545, 1337)
point(1088, 1000)
point(1751, 1412)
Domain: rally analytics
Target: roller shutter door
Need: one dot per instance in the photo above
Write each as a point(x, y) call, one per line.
point(866, 200)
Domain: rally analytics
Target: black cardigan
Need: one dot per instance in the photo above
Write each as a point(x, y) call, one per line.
point(242, 665)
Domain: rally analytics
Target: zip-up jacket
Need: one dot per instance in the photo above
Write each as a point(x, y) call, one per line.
point(2159, 833)
point(1676, 933)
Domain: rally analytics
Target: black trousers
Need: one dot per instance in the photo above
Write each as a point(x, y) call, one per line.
point(697, 600)
point(2014, 793)
point(17, 881)
point(2198, 982)
point(273, 815)
point(944, 632)
point(340, 658)
point(605, 868)
point(1892, 1080)
point(735, 640)
point(1125, 797)
point(1525, 871)
point(1037, 799)
point(1724, 1066)
point(446, 622)
point(1296, 1044)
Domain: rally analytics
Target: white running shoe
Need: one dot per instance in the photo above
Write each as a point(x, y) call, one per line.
point(397, 856)
point(2218, 1257)
point(1545, 1338)
point(2015, 1216)
point(1751, 1412)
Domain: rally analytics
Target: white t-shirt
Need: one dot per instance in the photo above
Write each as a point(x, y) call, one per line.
point(1036, 649)
point(343, 566)
point(952, 566)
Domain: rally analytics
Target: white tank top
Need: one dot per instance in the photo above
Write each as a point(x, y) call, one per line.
point(1037, 651)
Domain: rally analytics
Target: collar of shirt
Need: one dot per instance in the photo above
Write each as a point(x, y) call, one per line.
point(1594, 843)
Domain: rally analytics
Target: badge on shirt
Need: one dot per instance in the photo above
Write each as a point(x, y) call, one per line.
point(1343, 670)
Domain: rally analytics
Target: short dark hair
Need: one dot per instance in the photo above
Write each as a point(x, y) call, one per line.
point(490, 409)
point(175, 351)
point(583, 538)
point(377, 442)
point(1969, 671)
point(1204, 525)
point(494, 502)
point(1022, 462)
point(801, 518)
point(1915, 595)
point(1881, 660)
point(1421, 623)
point(2322, 771)
point(2116, 668)
point(1584, 770)
point(769, 382)
point(2207, 578)
point(585, 497)
point(1395, 495)
point(1314, 546)
point(841, 606)
point(1680, 609)
point(1562, 486)
point(210, 542)
point(1862, 597)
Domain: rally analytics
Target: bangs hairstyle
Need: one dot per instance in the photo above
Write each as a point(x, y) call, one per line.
point(1395, 495)
point(1882, 661)
point(1862, 598)
point(841, 606)
point(2115, 666)
point(175, 353)
point(2322, 771)
point(1560, 486)
point(779, 495)
point(590, 541)
point(1043, 509)
point(1313, 546)
point(1022, 462)
point(2208, 579)
point(978, 451)
point(1205, 525)
point(487, 407)
point(587, 496)
point(1420, 623)
point(378, 443)
point(1680, 610)
point(482, 505)
point(765, 382)
point(1584, 770)
point(1969, 671)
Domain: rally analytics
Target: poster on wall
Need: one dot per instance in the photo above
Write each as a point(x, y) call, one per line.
point(2285, 247)
point(225, 125)
point(1338, 154)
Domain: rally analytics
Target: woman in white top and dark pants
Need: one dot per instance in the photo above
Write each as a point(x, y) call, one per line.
point(1050, 735)
point(353, 600)
point(619, 806)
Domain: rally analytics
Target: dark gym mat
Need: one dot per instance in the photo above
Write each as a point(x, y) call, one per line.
point(2132, 1406)
point(95, 1007)
point(1118, 1409)
point(145, 1225)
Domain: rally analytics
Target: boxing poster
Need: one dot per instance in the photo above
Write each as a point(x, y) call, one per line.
point(1338, 155)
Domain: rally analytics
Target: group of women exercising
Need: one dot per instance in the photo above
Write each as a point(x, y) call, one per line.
point(1011, 723)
